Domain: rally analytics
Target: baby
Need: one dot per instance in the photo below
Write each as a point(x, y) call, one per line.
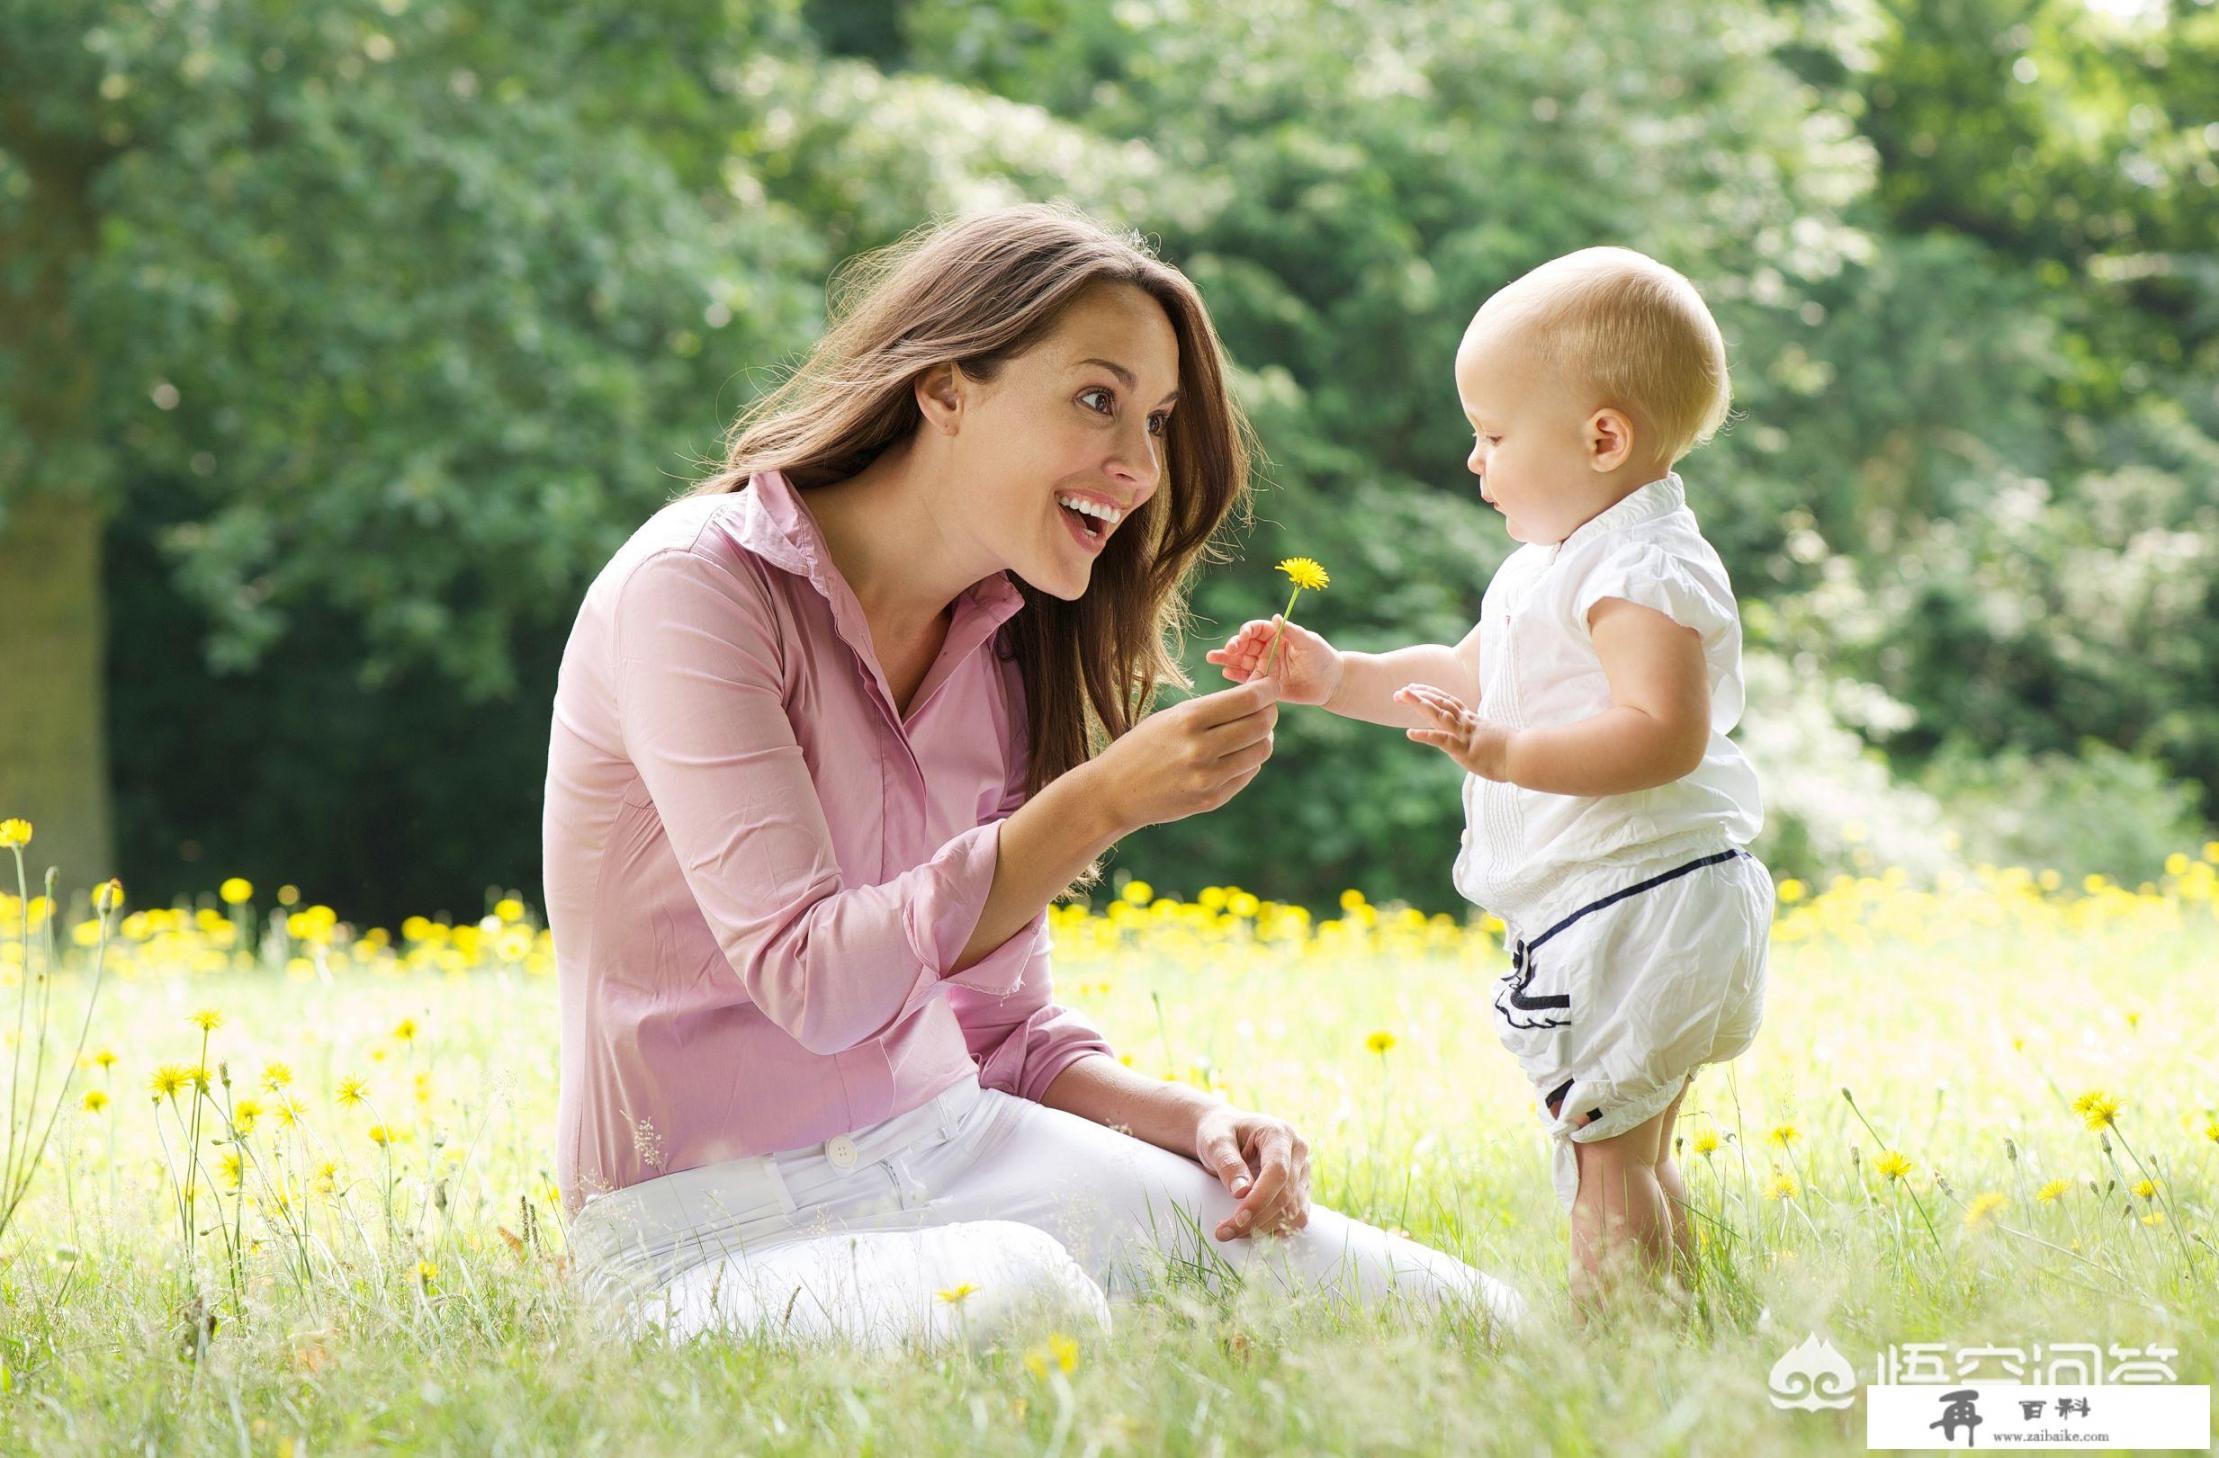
point(1606, 813)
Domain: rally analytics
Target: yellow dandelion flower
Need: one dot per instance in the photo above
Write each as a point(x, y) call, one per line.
point(2146, 1189)
point(427, 1273)
point(106, 1058)
point(326, 1179)
point(275, 1076)
point(2211, 1130)
point(1781, 1186)
point(2054, 1191)
point(2098, 1109)
point(1791, 891)
point(234, 1169)
point(289, 1111)
point(95, 1100)
point(243, 1115)
point(1305, 574)
point(1137, 893)
point(1783, 1135)
point(1983, 1208)
point(380, 1135)
point(167, 1081)
point(954, 1295)
point(1380, 1042)
point(1706, 1142)
point(236, 890)
point(1036, 1362)
point(1893, 1164)
point(2154, 1218)
point(351, 1091)
point(1065, 1350)
point(405, 1029)
point(14, 833)
point(208, 1019)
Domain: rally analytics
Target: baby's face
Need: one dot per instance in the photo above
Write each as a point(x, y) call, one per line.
point(1528, 438)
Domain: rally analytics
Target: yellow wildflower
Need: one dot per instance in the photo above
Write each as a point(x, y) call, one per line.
point(1706, 1143)
point(2054, 1191)
point(106, 1058)
point(2097, 1108)
point(1781, 1186)
point(95, 1100)
point(1784, 1135)
point(1983, 1208)
point(14, 833)
point(1380, 1042)
point(275, 1076)
point(1305, 574)
point(351, 1090)
point(954, 1295)
point(166, 1081)
point(208, 1019)
point(1893, 1164)
point(2146, 1189)
point(235, 890)
point(243, 1115)
point(405, 1029)
point(234, 1169)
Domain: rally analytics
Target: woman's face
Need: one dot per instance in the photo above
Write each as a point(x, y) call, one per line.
point(1062, 447)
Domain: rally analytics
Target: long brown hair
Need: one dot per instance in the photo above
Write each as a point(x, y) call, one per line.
point(977, 290)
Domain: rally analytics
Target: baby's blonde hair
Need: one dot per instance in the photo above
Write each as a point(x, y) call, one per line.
point(1630, 328)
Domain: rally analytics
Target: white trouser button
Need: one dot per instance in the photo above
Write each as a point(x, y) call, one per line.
point(841, 1151)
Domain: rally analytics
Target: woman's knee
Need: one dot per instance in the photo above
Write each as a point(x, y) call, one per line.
point(993, 1276)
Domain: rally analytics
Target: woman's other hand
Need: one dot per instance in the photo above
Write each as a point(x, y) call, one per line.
point(1189, 758)
point(1264, 1165)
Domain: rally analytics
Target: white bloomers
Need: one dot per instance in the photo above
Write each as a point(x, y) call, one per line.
point(1626, 979)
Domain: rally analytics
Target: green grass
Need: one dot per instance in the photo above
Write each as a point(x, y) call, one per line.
point(1963, 1045)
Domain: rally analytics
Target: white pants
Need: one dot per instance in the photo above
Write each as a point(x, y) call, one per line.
point(1642, 970)
point(873, 1237)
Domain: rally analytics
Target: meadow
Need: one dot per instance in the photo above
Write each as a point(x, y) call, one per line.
point(296, 1196)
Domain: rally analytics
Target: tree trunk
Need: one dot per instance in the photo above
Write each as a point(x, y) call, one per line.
point(53, 703)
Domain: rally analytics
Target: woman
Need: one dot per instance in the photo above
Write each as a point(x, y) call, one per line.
point(818, 766)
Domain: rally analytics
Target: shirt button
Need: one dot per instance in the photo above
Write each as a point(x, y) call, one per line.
point(841, 1151)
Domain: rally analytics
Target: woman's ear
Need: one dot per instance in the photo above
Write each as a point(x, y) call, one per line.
point(1609, 439)
point(941, 392)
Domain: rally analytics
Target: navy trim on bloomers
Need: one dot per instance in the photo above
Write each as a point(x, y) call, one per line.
point(1522, 964)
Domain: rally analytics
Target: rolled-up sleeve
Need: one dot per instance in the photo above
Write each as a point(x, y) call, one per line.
point(703, 718)
point(1017, 1034)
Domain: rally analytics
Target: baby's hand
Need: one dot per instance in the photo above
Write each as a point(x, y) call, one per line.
point(1305, 667)
point(1481, 747)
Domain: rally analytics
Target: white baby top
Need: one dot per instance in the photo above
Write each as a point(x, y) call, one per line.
point(1538, 668)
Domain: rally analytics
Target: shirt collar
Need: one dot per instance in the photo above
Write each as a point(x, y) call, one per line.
point(1664, 494)
point(774, 525)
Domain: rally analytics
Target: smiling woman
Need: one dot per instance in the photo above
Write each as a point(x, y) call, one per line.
point(831, 731)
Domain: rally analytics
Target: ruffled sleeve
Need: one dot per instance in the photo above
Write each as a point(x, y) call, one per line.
point(1689, 593)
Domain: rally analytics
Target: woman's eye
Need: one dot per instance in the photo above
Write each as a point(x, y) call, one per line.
point(1159, 422)
point(1103, 393)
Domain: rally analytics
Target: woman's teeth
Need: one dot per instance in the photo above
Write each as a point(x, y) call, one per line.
point(1086, 507)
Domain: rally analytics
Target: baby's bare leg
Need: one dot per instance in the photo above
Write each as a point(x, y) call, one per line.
point(1675, 1191)
point(1621, 1220)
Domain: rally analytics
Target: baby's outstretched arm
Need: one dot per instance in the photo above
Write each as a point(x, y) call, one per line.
point(1353, 685)
point(1656, 730)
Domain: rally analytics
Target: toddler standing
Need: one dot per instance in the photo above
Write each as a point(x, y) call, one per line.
point(1607, 815)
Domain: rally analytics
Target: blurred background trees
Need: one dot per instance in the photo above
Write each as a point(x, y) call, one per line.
point(358, 336)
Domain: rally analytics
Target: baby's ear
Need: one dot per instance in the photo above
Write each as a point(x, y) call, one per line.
point(1609, 439)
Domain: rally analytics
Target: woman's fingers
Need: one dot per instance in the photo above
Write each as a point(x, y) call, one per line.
point(1273, 1164)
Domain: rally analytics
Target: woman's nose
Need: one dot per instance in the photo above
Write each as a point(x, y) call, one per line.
point(1137, 459)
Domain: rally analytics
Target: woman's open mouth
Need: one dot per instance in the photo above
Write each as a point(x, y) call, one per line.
point(1089, 521)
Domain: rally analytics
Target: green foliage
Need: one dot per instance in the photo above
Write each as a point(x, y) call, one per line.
point(401, 318)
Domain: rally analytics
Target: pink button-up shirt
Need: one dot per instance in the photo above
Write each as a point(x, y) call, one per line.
point(758, 873)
